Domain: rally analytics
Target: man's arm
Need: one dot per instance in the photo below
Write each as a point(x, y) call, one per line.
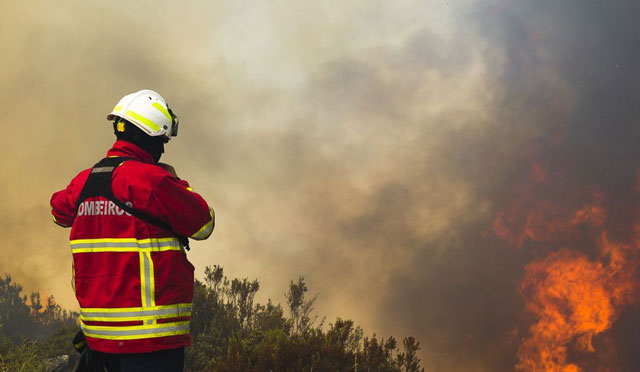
point(186, 211)
point(63, 202)
point(63, 207)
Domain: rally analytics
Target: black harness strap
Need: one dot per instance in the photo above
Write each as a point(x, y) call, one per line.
point(99, 184)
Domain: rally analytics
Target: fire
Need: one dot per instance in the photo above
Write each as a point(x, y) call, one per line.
point(574, 296)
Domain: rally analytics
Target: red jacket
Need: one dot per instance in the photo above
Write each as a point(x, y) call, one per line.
point(132, 279)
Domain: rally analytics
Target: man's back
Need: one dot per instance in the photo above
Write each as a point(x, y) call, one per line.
point(132, 279)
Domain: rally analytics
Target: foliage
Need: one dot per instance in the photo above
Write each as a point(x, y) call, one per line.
point(32, 332)
point(28, 319)
point(299, 308)
point(230, 333)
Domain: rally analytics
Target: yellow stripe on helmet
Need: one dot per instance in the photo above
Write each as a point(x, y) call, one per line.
point(143, 120)
point(162, 110)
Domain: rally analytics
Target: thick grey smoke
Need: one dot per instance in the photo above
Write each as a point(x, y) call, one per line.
point(366, 145)
point(567, 79)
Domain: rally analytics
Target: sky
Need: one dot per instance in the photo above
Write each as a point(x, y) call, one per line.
point(365, 145)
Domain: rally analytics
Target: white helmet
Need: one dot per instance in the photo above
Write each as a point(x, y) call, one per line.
point(148, 111)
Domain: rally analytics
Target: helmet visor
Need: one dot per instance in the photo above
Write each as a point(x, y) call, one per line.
point(174, 126)
point(175, 121)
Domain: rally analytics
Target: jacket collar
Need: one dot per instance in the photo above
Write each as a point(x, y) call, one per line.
point(128, 149)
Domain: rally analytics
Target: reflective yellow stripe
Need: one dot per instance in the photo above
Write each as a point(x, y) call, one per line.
point(135, 332)
point(132, 314)
point(133, 318)
point(124, 249)
point(117, 108)
point(125, 245)
point(133, 328)
point(162, 110)
point(122, 240)
point(73, 276)
point(186, 306)
point(143, 285)
point(89, 333)
point(56, 221)
point(206, 230)
point(151, 281)
point(147, 283)
point(148, 314)
point(94, 317)
point(143, 120)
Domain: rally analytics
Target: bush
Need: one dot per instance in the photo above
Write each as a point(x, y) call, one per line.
point(229, 333)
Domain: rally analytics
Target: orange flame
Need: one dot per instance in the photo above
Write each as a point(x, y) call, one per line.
point(574, 297)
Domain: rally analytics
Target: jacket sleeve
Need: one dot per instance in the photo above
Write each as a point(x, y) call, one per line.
point(187, 212)
point(63, 207)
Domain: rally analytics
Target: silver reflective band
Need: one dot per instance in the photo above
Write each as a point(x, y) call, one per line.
point(206, 230)
point(169, 243)
point(102, 169)
point(204, 233)
point(135, 332)
point(147, 279)
point(177, 311)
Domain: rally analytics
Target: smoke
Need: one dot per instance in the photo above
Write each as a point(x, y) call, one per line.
point(367, 145)
point(565, 77)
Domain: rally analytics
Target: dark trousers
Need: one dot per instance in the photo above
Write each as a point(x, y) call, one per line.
point(171, 360)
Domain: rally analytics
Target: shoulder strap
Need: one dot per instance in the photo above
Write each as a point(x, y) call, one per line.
point(99, 181)
point(99, 184)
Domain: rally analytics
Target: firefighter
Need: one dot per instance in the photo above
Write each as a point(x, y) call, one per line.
point(130, 219)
